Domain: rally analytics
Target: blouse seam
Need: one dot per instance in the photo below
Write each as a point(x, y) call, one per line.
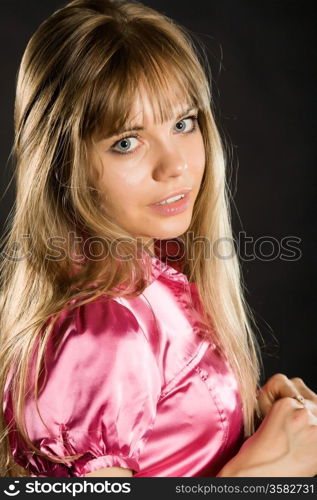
point(133, 315)
point(147, 340)
point(169, 386)
point(220, 412)
point(165, 389)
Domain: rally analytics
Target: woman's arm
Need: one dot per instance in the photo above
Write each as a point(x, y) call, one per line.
point(279, 468)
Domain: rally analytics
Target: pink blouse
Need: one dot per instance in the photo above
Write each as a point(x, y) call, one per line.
point(133, 384)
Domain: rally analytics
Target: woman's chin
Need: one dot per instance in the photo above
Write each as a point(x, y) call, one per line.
point(171, 232)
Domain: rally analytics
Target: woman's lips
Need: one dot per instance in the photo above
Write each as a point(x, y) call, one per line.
point(173, 208)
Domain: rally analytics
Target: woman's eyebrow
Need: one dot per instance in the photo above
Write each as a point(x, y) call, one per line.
point(141, 127)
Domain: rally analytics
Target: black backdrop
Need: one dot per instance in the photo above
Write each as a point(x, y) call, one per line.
point(263, 68)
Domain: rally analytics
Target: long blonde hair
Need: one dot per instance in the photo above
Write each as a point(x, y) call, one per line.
point(77, 80)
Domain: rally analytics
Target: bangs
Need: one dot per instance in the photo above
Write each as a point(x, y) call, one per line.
point(169, 79)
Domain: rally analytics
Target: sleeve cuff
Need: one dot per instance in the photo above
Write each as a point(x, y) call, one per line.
point(85, 466)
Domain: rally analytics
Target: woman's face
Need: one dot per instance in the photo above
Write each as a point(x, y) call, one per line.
point(141, 167)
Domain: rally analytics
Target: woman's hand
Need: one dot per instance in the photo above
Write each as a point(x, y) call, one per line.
point(280, 386)
point(284, 445)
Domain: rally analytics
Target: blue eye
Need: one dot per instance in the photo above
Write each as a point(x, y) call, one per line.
point(182, 122)
point(124, 145)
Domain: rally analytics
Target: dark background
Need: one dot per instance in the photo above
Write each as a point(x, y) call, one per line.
point(261, 55)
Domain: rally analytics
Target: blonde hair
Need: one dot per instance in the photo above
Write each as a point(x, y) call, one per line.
point(77, 79)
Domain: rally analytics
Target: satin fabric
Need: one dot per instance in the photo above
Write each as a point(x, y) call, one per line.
point(134, 383)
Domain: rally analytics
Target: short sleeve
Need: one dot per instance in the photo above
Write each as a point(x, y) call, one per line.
point(101, 392)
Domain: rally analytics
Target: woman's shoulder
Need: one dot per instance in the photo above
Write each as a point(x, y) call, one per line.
point(101, 322)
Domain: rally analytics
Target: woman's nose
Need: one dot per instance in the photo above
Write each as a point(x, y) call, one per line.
point(169, 163)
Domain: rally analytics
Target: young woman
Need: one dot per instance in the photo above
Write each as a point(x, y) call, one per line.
point(126, 342)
